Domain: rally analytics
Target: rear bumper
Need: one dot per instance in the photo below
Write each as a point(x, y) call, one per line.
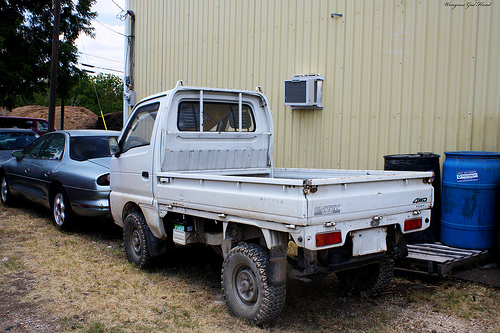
point(90, 203)
point(306, 236)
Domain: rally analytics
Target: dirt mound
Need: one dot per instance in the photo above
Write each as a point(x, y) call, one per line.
point(114, 121)
point(75, 117)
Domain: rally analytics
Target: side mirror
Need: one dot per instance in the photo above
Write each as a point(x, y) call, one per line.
point(18, 154)
point(114, 147)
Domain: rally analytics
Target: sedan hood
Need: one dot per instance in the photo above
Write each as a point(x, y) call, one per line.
point(5, 155)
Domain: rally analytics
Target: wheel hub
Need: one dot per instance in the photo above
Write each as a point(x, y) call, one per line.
point(245, 286)
point(59, 209)
point(4, 190)
point(136, 241)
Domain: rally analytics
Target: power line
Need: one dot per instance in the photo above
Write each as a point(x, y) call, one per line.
point(122, 15)
point(117, 5)
point(107, 69)
point(91, 55)
point(104, 25)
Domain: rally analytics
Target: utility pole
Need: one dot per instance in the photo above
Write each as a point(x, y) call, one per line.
point(54, 65)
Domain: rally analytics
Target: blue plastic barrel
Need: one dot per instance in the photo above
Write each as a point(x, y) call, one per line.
point(470, 199)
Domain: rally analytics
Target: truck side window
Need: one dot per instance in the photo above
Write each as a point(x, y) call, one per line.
point(217, 117)
point(141, 127)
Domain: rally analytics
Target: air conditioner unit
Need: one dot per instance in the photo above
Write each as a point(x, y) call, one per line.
point(304, 91)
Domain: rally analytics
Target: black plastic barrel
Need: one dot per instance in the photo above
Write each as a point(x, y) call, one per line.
point(421, 162)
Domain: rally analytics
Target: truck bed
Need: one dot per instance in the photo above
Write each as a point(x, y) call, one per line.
point(297, 197)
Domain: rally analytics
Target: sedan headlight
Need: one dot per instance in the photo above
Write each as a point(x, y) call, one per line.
point(103, 180)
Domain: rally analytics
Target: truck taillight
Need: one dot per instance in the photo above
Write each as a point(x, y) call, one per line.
point(413, 224)
point(328, 238)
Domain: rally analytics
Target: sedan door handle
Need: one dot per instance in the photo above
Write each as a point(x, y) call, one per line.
point(145, 174)
point(27, 170)
point(46, 173)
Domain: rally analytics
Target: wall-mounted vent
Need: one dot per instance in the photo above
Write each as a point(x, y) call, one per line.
point(304, 91)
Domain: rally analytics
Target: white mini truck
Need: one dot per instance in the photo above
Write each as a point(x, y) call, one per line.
point(194, 165)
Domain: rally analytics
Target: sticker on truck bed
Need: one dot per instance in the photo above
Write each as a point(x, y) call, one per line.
point(327, 210)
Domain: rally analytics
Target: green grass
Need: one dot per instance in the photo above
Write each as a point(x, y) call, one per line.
point(84, 280)
point(11, 264)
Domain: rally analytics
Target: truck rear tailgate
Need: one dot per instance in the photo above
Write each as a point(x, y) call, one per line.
point(353, 200)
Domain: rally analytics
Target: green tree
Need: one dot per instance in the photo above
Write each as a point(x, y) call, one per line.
point(26, 46)
point(101, 92)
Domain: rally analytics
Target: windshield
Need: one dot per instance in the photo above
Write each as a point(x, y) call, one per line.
point(84, 148)
point(12, 141)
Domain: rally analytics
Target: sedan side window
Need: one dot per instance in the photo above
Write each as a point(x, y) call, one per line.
point(141, 126)
point(53, 148)
point(33, 148)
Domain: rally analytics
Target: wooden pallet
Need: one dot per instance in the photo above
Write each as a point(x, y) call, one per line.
point(438, 259)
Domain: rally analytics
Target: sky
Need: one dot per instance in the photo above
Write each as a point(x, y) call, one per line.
point(106, 50)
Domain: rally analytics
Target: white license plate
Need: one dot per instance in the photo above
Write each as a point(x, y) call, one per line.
point(369, 241)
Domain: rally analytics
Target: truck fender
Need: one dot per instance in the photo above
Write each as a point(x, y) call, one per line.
point(277, 243)
point(154, 221)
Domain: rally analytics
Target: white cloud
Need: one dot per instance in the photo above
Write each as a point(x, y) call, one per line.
point(108, 6)
point(106, 50)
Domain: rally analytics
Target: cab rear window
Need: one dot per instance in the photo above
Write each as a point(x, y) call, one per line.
point(217, 117)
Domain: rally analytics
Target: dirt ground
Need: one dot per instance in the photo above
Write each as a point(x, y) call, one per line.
point(75, 117)
point(80, 281)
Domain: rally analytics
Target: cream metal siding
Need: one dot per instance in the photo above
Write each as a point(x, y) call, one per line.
point(400, 76)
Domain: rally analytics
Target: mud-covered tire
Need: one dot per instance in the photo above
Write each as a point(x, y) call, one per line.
point(368, 280)
point(245, 285)
point(61, 212)
point(5, 195)
point(135, 239)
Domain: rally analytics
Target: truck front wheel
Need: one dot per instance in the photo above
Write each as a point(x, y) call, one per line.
point(245, 284)
point(135, 240)
point(371, 279)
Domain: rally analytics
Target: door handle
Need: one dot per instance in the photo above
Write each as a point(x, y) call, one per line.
point(145, 174)
point(46, 173)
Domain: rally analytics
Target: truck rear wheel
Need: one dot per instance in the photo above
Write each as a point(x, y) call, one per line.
point(245, 285)
point(135, 233)
point(371, 279)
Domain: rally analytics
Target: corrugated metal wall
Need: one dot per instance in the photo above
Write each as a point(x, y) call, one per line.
point(400, 76)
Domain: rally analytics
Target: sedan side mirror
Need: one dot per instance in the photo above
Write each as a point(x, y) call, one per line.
point(18, 154)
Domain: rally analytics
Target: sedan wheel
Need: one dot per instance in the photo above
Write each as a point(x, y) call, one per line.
point(5, 195)
point(61, 209)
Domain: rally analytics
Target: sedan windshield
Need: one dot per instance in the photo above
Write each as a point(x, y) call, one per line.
point(84, 148)
point(11, 141)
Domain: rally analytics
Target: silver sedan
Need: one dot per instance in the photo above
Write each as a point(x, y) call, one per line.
point(66, 171)
point(12, 139)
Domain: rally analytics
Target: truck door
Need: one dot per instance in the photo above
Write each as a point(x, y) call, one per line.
point(132, 169)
